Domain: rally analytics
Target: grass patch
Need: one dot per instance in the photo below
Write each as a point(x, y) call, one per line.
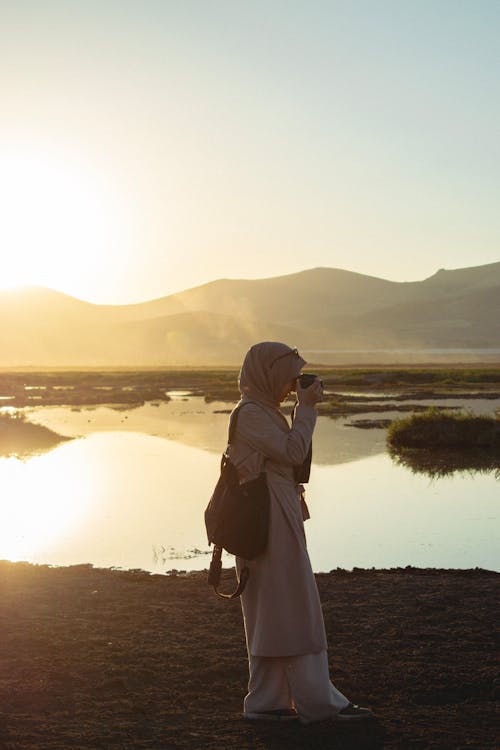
point(435, 428)
point(19, 437)
point(440, 443)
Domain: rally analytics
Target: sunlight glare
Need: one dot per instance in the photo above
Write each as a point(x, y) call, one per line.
point(41, 502)
point(58, 217)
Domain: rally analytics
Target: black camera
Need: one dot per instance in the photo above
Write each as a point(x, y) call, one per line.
point(307, 379)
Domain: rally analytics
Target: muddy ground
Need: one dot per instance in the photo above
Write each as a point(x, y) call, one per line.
point(122, 659)
point(129, 387)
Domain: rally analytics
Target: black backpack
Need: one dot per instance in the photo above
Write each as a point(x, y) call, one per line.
point(236, 517)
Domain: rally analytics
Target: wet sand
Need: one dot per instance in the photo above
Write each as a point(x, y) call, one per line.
point(109, 659)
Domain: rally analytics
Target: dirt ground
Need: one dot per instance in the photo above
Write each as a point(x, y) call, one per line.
point(112, 659)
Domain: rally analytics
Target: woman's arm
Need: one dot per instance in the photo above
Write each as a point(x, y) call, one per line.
point(259, 430)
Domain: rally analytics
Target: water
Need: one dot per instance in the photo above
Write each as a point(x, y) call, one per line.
point(130, 489)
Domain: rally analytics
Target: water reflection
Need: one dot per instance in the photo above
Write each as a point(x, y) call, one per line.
point(200, 425)
point(108, 499)
point(373, 513)
point(440, 462)
point(44, 500)
point(130, 489)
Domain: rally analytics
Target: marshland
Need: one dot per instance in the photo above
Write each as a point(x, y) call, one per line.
point(109, 440)
point(126, 645)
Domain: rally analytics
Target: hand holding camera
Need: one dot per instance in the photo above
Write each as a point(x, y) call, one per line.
point(309, 389)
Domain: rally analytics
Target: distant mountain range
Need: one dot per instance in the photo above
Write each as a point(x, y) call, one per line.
point(332, 315)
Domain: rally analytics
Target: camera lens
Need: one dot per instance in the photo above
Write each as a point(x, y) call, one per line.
point(307, 379)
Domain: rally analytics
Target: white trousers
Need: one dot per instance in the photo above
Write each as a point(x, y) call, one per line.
point(300, 682)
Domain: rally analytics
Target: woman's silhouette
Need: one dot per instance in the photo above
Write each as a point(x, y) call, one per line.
point(285, 633)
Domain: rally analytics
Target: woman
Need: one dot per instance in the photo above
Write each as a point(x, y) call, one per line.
point(284, 628)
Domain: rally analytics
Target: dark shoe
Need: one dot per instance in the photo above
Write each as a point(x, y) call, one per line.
point(279, 714)
point(353, 713)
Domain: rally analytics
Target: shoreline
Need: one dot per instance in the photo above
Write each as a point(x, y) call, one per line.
point(133, 387)
point(101, 658)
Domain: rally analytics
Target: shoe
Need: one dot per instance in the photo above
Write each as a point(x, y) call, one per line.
point(279, 714)
point(353, 713)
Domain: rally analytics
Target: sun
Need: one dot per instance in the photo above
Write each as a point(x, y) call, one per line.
point(61, 220)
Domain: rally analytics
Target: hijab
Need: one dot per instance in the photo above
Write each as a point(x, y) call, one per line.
point(267, 367)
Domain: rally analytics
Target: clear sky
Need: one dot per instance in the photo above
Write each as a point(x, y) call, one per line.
point(146, 147)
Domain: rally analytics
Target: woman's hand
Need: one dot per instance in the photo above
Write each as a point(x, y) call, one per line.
point(311, 395)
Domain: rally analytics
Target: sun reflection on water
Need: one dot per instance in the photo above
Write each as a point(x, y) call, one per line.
point(122, 497)
point(43, 498)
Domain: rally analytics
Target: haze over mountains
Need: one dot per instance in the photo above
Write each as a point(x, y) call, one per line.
point(322, 311)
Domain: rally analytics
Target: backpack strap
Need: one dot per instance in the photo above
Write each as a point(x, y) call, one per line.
point(234, 420)
point(214, 574)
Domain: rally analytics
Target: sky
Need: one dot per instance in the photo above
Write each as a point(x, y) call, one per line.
point(148, 147)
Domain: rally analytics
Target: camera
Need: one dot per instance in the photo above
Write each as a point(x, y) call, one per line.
point(307, 379)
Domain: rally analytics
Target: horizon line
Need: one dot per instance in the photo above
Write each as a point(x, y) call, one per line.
point(26, 287)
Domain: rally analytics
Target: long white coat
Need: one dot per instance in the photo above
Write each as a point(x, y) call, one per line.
point(281, 607)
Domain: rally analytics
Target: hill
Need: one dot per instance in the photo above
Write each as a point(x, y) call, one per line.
point(321, 310)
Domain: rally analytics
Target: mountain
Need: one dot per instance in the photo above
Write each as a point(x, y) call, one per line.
point(319, 310)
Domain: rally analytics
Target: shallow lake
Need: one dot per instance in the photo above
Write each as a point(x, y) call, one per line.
point(130, 488)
